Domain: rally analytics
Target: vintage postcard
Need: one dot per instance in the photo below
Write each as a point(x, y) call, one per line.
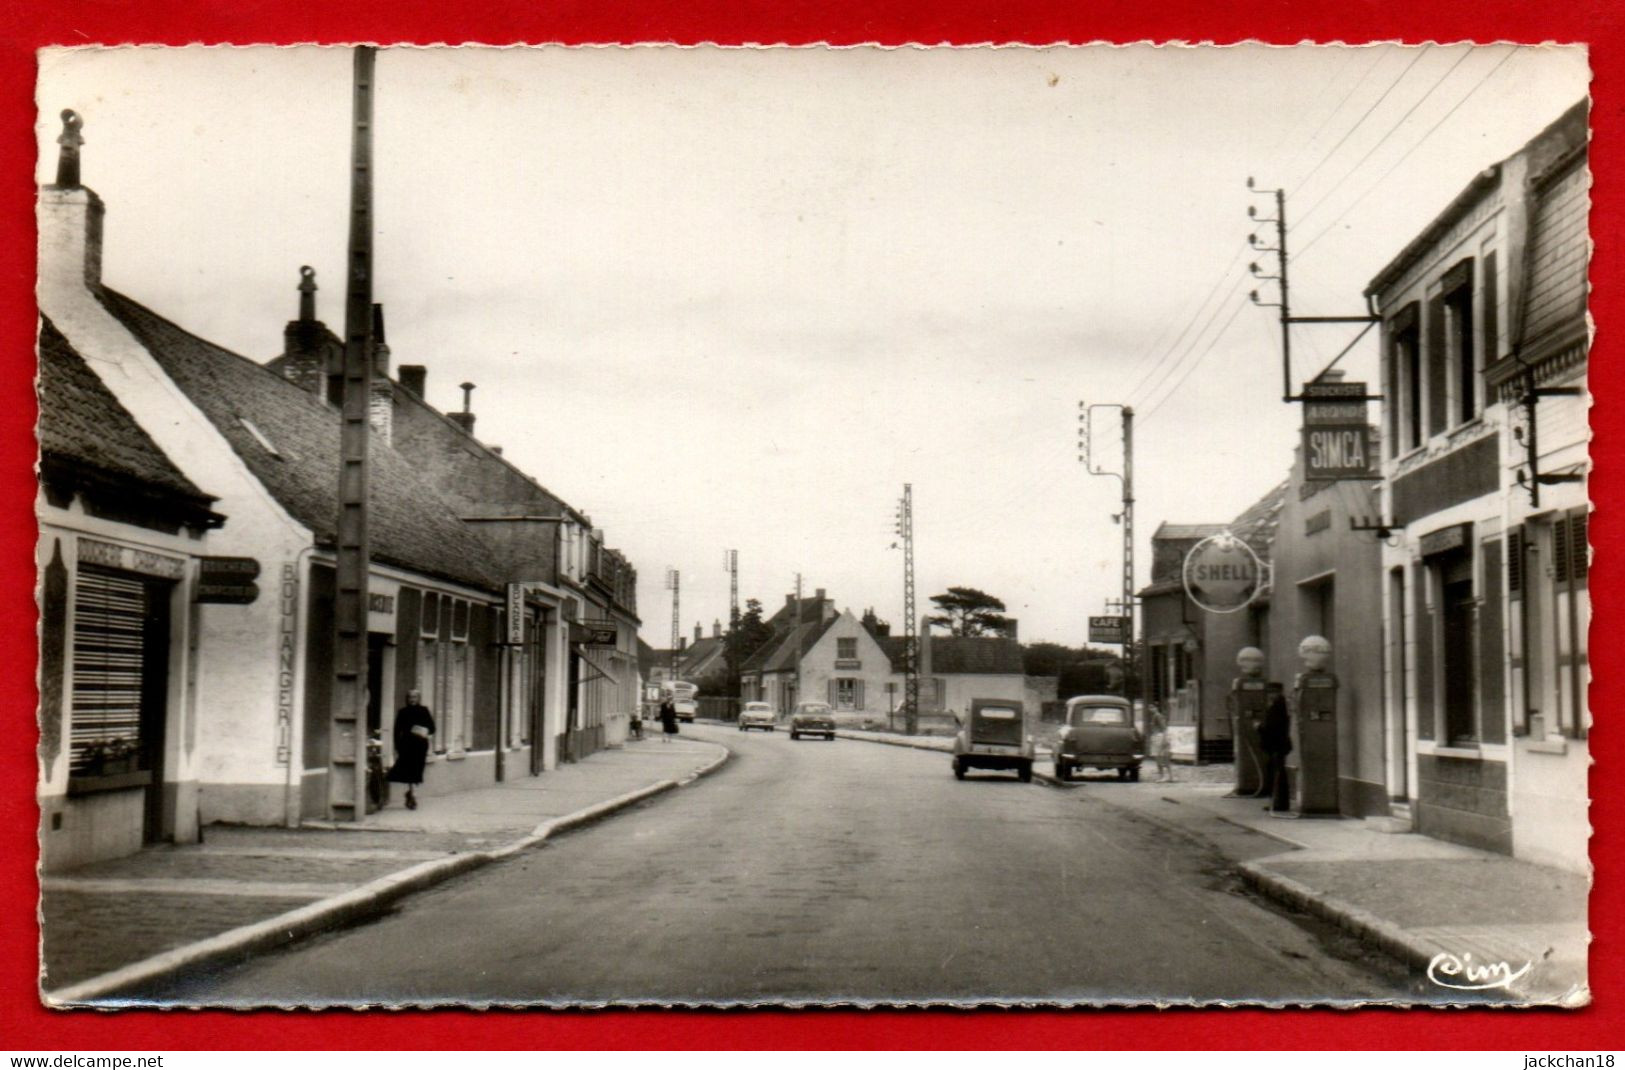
point(1094, 525)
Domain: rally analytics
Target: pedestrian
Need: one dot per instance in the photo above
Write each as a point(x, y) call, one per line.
point(1275, 737)
point(1161, 750)
point(668, 720)
point(414, 724)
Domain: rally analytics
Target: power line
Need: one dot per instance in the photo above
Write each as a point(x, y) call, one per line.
point(1367, 114)
point(1434, 88)
point(1358, 82)
point(1196, 363)
point(1234, 289)
point(1327, 229)
point(1195, 315)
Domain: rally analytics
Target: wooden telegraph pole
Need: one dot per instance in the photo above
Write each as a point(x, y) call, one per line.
point(347, 744)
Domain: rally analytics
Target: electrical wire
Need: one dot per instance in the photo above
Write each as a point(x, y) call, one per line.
point(1152, 411)
point(1235, 288)
point(1366, 115)
point(1434, 88)
point(1195, 315)
point(1307, 245)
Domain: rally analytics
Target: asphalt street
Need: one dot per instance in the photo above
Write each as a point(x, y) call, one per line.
point(828, 872)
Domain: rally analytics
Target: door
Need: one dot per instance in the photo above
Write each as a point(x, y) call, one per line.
point(537, 692)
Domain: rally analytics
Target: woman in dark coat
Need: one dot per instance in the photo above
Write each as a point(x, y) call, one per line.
point(414, 725)
point(1275, 736)
point(668, 719)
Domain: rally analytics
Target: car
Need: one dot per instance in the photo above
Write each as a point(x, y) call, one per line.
point(812, 719)
point(994, 736)
point(1099, 733)
point(757, 715)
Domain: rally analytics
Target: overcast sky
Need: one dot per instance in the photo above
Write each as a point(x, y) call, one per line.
point(736, 298)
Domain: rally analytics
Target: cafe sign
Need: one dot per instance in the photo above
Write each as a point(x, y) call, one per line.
point(1222, 574)
point(1107, 629)
point(1338, 442)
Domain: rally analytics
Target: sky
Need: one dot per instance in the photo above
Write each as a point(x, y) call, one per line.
point(737, 298)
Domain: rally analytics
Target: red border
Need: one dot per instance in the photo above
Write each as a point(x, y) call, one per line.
point(24, 1024)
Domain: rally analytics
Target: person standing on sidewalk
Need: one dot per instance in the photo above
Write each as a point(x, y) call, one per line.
point(1161, 749)
point(414, 724)
point(668, 720)
point(1275, 736)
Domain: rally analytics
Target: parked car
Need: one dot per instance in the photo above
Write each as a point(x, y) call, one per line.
point(812, 719)
point(1099, 733)
point(994, 736)
point(757, 715)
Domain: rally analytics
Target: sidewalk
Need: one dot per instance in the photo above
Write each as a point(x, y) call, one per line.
point(113, 924)
point(1453, 913)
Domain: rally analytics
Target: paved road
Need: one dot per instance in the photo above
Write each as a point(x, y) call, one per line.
point(815, 871)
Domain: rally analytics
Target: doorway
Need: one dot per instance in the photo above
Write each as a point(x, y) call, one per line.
point(1459, 669)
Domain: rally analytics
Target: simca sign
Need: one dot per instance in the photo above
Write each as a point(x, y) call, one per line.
point(1338, 443)
point(1107, 629)
point(1222, 574)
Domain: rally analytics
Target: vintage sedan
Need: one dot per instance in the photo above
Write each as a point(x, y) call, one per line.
point(812, 719)
point(994, 736)
point(757, 715)
point(1099, 733)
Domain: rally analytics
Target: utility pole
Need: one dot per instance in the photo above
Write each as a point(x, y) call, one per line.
point(797, 635)
point(674, 584)
point(911, 635)
point(347, 746)
point(1126, 518)
point(730, 561)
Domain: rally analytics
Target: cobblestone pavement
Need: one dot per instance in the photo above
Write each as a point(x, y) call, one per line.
point(109, 914)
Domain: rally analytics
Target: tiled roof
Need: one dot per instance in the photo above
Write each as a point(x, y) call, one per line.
point(80, 421)
point(1186, 531)
point(1257, 525)
point(788, 615)
point(289, 439)
point(781, 653)
point(975, 654)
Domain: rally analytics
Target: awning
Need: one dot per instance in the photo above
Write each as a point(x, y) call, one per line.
point(597, 668)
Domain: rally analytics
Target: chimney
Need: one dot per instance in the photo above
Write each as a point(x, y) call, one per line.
point(70, 219)
point(716, 629)
point(818, 610)
point(311, 359)
point(413, 378)
point(698, 632)
point(380, 394)
point(682, 642)
point(495, 449)
point(465, 419)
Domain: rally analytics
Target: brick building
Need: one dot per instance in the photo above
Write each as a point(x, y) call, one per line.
point(1485, 605)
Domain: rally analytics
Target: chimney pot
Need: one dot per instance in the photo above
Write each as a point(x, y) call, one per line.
point(698, 632)
point(716, 629)
point(67, 160)
point(413, 379)
point(307, 294)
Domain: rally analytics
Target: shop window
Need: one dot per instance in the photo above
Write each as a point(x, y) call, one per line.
point(120, 673)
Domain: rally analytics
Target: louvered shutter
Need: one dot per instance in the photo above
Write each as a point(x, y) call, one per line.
point(858, 700)
point(1560, 549)
point(1437, 365)
point(1515, 562)
point(831, 687)
point(110, 612)
point(1425, 713)
point(1491, 655)
point(1579, 549)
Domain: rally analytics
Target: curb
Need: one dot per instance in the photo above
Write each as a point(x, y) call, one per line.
point(1383, 935)
point(358, 903)
point(920, 744)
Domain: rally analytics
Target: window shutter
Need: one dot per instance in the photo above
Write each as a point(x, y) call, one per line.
point(1492, 345)
point(1515, 562)
point(859, 700)
point(1435, 362)
point(1579, 549)
point(831, 687)
point(1491, 657)
point(1560, 549)
point(1423, 624)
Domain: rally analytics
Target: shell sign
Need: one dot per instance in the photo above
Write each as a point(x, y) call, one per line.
point(1222, 574)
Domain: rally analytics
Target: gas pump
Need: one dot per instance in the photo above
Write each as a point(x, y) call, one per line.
point(1248, 701)
point(1315, 695)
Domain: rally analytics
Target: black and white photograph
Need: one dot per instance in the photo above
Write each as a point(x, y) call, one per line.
point(575, 527)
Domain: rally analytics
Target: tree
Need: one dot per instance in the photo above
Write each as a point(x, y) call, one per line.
point(965, 611)
point(749, 635)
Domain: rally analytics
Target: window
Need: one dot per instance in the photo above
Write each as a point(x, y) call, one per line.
point(847, 692)
point(846, 649)
point(120, 672)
